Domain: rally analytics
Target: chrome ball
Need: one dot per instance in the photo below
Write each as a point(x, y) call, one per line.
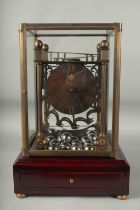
point(96, 143)
point(76, 148)
point(86, 148)
point(59, 138)
point(49, 138)
point(51, 131)
point(75, 138)
point(76, 143)
point(65, 146)
point(84, 139)
point(66, 137)
point(88, 143)
point(53, 145)
point(53, 142)
point(92, 135)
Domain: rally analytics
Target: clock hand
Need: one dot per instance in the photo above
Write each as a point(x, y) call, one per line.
point(76, 95)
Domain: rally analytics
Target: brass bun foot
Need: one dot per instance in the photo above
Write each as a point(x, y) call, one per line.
point(122, 197)
point(20, 195)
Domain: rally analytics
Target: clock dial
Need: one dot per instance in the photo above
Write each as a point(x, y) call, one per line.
point(71, 88)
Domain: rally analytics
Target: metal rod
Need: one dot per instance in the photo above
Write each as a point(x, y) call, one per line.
point(35, 79)
point(57, 56)
point(64, 56)
point(39, 98)
point(82, 57)
point(107, 89)
point(50, 56)
point(99, 98)
point(103, 97)
point(92, 58)
point(46, 124)
point(70, 35)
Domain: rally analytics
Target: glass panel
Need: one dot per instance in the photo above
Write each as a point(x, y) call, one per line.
point(110, 84)
point(69, 45)
point(72, 107)
point(30, 83)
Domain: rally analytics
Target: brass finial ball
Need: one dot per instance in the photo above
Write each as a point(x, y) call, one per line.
point(104, 44)
point(98, 46)
point(45, 47)
point(38, 44)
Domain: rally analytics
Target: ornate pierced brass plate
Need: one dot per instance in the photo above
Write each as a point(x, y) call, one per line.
point(71, 88)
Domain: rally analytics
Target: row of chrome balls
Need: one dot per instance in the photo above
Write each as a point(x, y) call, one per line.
point(66, 141)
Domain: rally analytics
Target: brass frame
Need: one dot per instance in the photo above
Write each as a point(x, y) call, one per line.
point(32, 28)
point(24, 93)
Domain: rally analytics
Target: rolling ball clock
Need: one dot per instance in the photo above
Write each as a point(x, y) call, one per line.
point(70, 93)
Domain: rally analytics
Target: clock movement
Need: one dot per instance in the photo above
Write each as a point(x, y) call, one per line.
point(70, 95)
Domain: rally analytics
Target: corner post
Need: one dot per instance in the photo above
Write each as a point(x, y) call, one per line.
point(24, 91)
point(116, 90)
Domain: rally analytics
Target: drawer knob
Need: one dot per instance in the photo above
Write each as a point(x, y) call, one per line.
point(71, 180)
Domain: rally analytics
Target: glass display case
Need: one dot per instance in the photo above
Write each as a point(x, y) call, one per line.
point(70, 95)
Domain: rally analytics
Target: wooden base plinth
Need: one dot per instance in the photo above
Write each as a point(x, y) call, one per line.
point(71, 176)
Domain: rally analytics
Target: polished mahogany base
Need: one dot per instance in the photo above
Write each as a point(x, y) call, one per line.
point(71, 176)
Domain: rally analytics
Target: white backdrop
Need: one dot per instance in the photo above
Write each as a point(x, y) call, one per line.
point(12, 12)
point(16, 11)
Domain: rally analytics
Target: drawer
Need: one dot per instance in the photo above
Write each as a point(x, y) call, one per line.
point(73, 179)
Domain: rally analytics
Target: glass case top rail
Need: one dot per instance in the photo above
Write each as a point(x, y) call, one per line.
point(70, 26)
